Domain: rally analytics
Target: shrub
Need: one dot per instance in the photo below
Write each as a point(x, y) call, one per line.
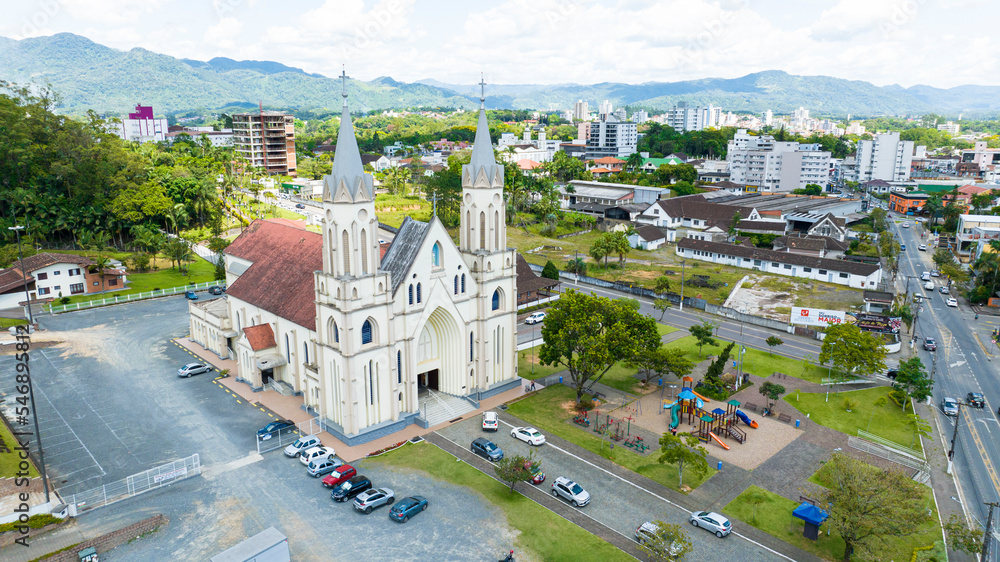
point(64, 300)
point(849, 404)
point(586, 403)
point(34, 522)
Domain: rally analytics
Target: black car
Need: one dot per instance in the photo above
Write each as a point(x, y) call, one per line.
point(300, 206)
point(216, 290)
point(976, 400)
point(274, 427)
point(487, 449)
point(347, 490)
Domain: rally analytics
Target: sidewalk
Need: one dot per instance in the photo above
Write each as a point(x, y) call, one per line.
point(75, 532)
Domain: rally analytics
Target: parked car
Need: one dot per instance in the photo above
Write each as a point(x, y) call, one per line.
point(316, 453)
point(301, 444)
point(952, 302)
point(712, 521)
point(191, 296)
point(944, 290)
point(487, 449)
point(930, 344)
point(216, 290)
point(529, 435)
point(935, 273)
point(491, 421)
point(537, 476)
point(342, 473)
point(976, 400)
point(407, 507)
point(350, 488)
point(273, 428)
point(300, 206)
point(949, 406)
point(376, 497)
point(647, 531)
point(322, 465)
point(570, 491)
point(193, 369)
point(535, 318)
point(892, 374)
point(922, 247)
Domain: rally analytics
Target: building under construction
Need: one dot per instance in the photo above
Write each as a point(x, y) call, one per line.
point(267, 140)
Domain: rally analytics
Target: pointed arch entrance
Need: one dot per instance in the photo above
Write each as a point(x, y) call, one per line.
point(439, 355)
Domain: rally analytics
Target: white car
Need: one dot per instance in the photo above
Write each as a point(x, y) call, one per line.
point(315, 454)
point(535, 318)
point(929, 285)
point(529, 435)
point(491, 421)
point(952, 302)
point(193, 369)
point(922, 247)
point(301, 444)
point(906, 225)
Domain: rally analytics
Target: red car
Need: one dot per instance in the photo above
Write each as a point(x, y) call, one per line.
point(341, 474)
point(537, 476)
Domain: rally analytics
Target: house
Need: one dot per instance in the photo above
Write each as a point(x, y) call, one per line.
point(692, 212)
point(762, 227)
point(852, 274)
point(878, 302)
point(378, 162)
point(818, 246)
point(625, 212)
point(51, 275)
point(653, 164)
point(580, 191)
point(532, 287)
point(647, 238)
point(610, 163)
point(907, 203)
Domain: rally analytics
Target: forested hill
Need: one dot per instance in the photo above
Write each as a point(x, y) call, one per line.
point(88, 75)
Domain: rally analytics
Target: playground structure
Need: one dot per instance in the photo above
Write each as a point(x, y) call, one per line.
point(711, 425)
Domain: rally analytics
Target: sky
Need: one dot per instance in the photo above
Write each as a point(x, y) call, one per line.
point(907, 42)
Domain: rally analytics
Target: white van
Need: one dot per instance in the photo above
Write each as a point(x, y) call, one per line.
point(929, 285)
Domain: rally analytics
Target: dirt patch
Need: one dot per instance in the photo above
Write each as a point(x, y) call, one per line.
point(771, 297)
point(394, 209)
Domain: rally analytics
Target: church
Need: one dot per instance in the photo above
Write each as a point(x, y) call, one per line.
point(365, 333)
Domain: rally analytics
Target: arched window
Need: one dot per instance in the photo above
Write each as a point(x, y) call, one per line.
point(456, 284)
point(418, 293)
point(364, 252)
point(345, 248)
point(472, 344)
point(305, 348)
point(366, 332)
point(332, 334)
point(463, 282)
point(411, 294)
point(436, 255)
point(482, 230)
point(496, 230)
point(288, 350)
point(496, 299)
point(468, 228)
point(399, 367)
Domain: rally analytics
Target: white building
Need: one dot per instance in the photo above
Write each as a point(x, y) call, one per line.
point(773, 166)
point(371, 342)
point(612, 137)
point(604, 109)
point(580, 111)
point(141, 126)
point(950, 127)
point(640, 117)
point(683, 118)
point(884, 158)
point(768, 118)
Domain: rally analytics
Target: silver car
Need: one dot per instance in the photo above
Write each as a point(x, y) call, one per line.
point(323, 466)
point(949, 406)
point(571, 491)
point(193, 369)
point(302, 444)
point(376, 497)
point(712, 521)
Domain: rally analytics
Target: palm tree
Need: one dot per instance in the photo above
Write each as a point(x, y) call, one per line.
point(634, 162)
point(101, 265)
point(177, 216)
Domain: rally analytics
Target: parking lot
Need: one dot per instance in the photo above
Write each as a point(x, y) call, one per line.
point(112, 405)
point(615, 503)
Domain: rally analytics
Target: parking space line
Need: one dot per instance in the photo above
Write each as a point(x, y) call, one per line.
point(602, 469)
point(54, 409)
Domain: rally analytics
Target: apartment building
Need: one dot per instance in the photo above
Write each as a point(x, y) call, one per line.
point(684, 118)
point(884, 158)
point(773, 166)
point(580, 111)
point(267, 140)
point(975, 161)
point(141, 126)
point(610, 136)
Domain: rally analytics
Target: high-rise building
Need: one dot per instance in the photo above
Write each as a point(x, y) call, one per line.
point(267, 140)
point(773, 166)
point(141, 126)
point(621, 114)
point(683, 118)
point(611, 137)
point(580, 111)
point(604, 110)
point(640, 117)
point(884, 158)
point(768, 118)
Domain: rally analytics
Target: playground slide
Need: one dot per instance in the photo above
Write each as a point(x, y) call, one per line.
point(719, 441)
point(700, 396)
point(746, 419)
point(675, 409)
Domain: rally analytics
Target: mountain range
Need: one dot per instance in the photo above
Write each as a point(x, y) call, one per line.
point(87, 75)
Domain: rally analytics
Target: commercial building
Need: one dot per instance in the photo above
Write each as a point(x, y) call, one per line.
point(773, 166)
point(975, 231)
point(267, 140)
point(610, 136)
point(141, 126)
point(884, 158)
point(907, 203)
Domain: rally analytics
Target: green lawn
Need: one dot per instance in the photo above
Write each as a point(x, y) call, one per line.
point(11, 322)
point(10, 459)
point(392, 209)
point(544, 410)
point(199, 271)
point(755, 361)
point(774, 517)
point(543, 535)
point(888, 421)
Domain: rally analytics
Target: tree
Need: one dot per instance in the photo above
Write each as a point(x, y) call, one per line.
point(912, 379)
point(703, 333)
point(869, 505)
point(577, 266)
point(101, 265)
point(734, 224)
point(660, 361)
point(961, 537)
point(771, 391)
point(599, 250)
point(633, 162)
point(773, 342)
point(934, 205)
point(754, 496)
point(981, 200)
point(395, 180)
point(588, 334)
point(550, 271)
point(661, 285)
point(667, 542)
point(681, 450)
point(516, 468)
point(662, 305)
point(880, 219)
point(715, 370)
point(851, 350)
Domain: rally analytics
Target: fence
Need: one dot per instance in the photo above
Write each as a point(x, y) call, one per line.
point(628, 288)
point(134, 485)
point(279, 439)
point(56, 309)
point(891, 451)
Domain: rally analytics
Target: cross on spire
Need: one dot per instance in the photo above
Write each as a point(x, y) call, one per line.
point(482, 90)
point(343, 81)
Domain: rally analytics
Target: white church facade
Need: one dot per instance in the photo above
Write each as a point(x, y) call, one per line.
point(363, 336)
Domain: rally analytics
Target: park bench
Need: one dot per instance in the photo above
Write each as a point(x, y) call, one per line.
point(750, 406)
point(784, 417)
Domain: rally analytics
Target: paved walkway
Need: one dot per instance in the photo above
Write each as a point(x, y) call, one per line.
point(74, 532)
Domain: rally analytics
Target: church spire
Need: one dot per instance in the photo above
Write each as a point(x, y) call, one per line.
point(348, 169)
point(482, 149)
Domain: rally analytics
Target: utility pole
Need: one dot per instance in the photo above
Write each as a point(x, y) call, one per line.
point(954, 434)
point(988, 535)
point(682, 285)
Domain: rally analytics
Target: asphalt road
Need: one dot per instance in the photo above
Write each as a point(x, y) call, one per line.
point(962, 366)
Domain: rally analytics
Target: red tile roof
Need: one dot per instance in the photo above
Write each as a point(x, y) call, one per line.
point(280, 280)
point(260, 336)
